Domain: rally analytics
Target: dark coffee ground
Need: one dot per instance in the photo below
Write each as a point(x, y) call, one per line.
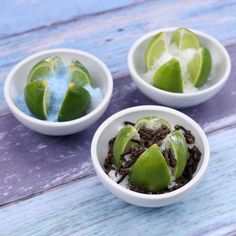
point(149, 137)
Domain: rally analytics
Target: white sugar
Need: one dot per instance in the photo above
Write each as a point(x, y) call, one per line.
point(184, 57)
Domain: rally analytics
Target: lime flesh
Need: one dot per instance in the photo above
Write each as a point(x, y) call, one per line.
point(75, 104)
point(184, 38)
point(122, 141)
point(151, 122)
point(155, 48)
point(178, 146)
point(199, 67)
point(44, 68)
point(78, 73)
point(37, 97)
point(168, 77)
point(150, 171)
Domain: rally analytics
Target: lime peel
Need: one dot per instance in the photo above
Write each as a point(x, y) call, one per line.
point(155, 48)
point(122, 141)
point(184, 46)
point(78, 73)
point(76, 102)
point(37, 96)
point(169, 77)
point(156, 176)
point(176, 142)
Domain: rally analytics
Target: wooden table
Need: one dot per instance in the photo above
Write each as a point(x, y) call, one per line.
point(48, 185)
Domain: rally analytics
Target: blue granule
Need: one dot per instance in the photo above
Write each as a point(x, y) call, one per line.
point(58, 85)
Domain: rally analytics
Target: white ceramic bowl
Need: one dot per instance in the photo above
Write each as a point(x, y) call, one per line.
point(17, 79)
point(220, 69)
point(110, 128)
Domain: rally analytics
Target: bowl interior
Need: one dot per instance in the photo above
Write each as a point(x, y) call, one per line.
point(219, 59)
point(111, 129)
point(21, 71)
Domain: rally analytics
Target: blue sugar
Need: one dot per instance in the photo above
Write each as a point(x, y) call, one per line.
point(96, 96)
point(58, 85)
point(20, 102)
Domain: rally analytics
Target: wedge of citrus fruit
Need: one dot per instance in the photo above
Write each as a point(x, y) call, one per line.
point(168, 77)
point(176, 142)
point(151, 122)
point(199, 67)
point(37, 98)
point(150, 171)
point(122, 142)
point(155, 48)
point(78, 73)
point(184, 38)
point(75, 104)
point(44, 68)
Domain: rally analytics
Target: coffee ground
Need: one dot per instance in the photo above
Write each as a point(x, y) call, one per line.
point(148, 137)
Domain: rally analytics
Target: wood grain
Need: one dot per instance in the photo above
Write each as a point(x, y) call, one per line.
point(87, 208)
point(32, 163)
point(16, 15)
point(110, 35)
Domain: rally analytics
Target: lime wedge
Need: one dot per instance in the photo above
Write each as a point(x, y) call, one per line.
point(151, 122)
point(37, 98)
point(78, 73)
point(178, 146)
point(75, 104)
point(155, 48)
point(44, 68)
point(122, 141)
point(150, 171)
point(184, 38)
point(199, 67)
point(168, 77)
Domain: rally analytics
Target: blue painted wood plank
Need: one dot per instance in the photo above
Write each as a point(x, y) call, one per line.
point(87, 208)
point(111, 39)
point(101, 35)
point(31, 162)
point(26, 15)
point(24, 169)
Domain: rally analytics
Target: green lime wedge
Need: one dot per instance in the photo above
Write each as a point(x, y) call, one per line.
point(78, 73)
point(168, 77)
point(199, 67)
point(150, 171)
point(151, 122)
point(44, 68)
point(178, 146)
point(75, 104)
point(184, 38)
point(154, 50)
point(37, 98)
point(122, 142)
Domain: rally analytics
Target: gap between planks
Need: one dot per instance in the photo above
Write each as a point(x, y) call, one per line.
point(75, 19)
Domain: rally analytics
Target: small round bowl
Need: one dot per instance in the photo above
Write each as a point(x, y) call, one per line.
point(221, 66)
point(110, 128)
point(17, 79)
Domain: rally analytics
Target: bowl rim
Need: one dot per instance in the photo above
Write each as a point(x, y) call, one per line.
point(13, 107)
point(148, 86)
point(101, 173)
